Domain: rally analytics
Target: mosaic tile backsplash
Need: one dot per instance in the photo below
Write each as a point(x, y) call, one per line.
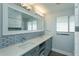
point(6, 41)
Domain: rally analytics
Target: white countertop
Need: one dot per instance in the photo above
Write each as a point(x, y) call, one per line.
point(21, 48)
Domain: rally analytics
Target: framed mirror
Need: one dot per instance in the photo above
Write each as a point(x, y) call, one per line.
point(17, 20)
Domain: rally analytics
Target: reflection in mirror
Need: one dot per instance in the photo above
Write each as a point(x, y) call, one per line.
point(29, 24)
point(14, 20)
point(20, 21)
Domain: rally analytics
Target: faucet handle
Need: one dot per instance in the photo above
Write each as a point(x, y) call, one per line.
point(23, 39)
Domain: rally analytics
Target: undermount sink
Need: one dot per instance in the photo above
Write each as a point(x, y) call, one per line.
point(28, 43)
point(25, 45)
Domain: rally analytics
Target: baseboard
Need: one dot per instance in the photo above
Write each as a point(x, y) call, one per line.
point(63, 52)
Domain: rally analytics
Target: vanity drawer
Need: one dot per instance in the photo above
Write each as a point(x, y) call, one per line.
point(33, 52)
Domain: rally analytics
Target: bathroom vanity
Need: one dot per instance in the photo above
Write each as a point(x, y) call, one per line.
point(42, 49)
point(39, 46)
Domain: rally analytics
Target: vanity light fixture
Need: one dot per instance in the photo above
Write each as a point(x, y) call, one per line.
point(35, 8)
point(39, 10)
point(27, 6)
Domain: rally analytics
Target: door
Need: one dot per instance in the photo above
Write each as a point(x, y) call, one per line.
point(64, 38)
point(65, 42)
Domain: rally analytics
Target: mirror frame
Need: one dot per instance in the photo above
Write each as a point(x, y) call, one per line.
point(20, 9)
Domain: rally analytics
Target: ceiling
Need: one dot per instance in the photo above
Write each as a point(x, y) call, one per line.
point(56, 7)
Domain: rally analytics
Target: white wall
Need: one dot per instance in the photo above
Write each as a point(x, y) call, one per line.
point(51, 26)
point(50, 23)
point(76, 43)
point(76, 30)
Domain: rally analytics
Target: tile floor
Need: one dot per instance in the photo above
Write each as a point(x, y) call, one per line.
point(53, 53)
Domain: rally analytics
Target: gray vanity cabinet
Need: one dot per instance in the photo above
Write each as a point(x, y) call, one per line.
point(48, 46)
point(33, 52)
point(41, 50)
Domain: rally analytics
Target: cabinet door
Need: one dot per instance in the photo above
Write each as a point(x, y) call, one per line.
point(50, 43)
point(33, 52)
point(48, 46)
